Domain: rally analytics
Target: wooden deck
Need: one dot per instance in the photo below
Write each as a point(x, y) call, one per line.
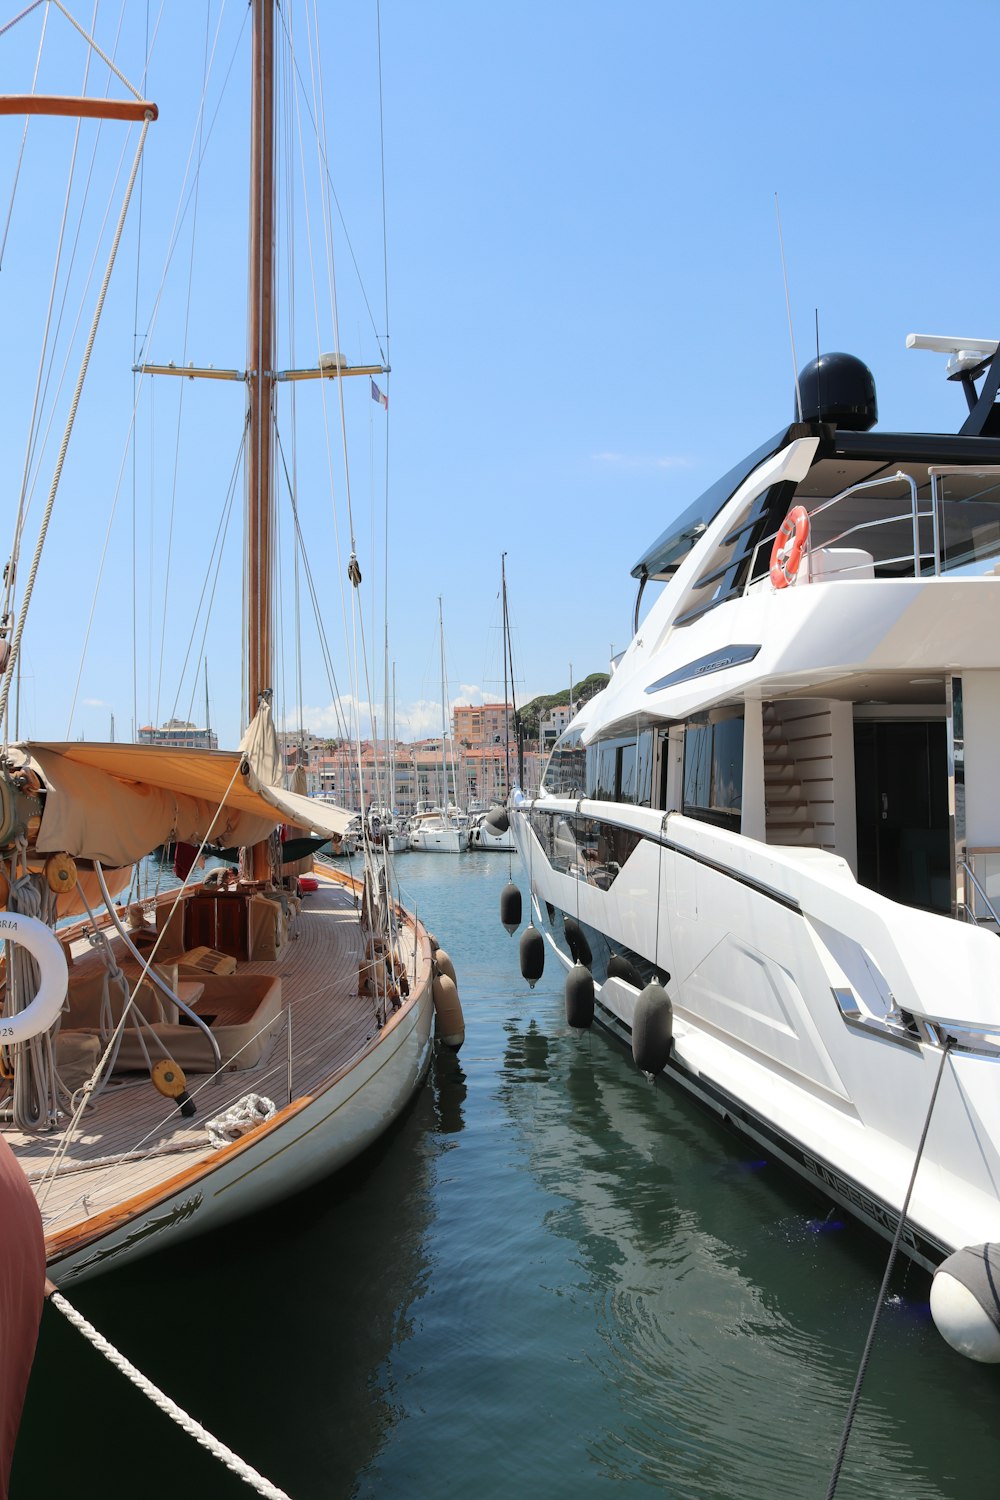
point(132, 1138)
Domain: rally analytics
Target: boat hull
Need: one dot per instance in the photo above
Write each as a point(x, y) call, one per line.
point(306, 1142)
point(439, 840)
point(804, 1006)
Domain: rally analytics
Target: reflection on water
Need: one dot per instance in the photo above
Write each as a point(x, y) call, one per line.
point(552, 1279)
point(729, 1314)
point(277, 1334)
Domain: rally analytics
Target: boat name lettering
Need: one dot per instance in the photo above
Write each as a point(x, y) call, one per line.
point(870, 1207)
point(717, 661)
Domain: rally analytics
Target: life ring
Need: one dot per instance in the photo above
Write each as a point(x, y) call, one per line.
point(53, 977)
point(786, 554)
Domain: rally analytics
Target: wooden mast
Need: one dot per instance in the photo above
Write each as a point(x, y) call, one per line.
point(260, 356)
point(260, 374)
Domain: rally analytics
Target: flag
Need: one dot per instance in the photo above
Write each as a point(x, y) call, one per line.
point(380, 396)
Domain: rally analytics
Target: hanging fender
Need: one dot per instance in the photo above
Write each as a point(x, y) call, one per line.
point(53, 977)
point(786, 554)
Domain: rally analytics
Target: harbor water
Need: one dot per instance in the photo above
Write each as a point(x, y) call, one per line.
point(552, 1279)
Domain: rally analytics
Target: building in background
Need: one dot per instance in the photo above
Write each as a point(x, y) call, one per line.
point(471, 773)
point(179, 735)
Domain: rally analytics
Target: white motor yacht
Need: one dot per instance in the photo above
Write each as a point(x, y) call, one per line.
point(783, 810)
point(438, 832)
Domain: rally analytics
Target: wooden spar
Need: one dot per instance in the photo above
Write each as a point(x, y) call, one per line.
point(260, 372)
point(260, 354)
point(81, 109)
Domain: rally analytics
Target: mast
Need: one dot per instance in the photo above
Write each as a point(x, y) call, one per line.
point(509, 652)
point(506, 715)
point(260, 377)
point(444, 756)
point(260, 358)
point(392, 751)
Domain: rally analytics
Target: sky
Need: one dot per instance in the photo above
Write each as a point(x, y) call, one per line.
point(577, 283)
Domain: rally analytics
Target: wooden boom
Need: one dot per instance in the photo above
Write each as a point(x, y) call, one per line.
point(81, 109)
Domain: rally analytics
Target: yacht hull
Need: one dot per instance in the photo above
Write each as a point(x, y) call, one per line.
point(439, 840)
point(805, 1006)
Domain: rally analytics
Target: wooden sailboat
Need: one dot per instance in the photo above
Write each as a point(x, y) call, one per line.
point(283, 1032)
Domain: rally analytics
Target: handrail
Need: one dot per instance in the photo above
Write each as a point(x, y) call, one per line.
point(970, 914)
point(151, 973)
point(914, 514)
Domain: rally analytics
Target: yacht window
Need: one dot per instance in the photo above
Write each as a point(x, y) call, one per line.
point(566, 770)
point(713, 771)
point(621, 770)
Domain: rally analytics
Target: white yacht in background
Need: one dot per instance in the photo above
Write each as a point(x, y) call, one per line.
point(485, 835)
point(440, 831)
point(785, 807)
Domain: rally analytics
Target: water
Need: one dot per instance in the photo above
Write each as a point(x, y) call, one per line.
point(552, 1279)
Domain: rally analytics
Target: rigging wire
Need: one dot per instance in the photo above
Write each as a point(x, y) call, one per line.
point(313, 594)
point(356, 633)
point(390, 754)
point(180, 399)
point(135, 394)
point(24, 130)
point(947, 1044)
point(15, 646)
point(215, 557)
point(333, 194)
point(42, 378)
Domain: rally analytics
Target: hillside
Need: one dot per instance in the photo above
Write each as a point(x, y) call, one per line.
point(532, 712)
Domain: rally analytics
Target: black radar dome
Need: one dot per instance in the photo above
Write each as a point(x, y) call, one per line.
point(841, 389)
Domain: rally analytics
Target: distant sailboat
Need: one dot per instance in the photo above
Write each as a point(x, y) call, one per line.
point(443, 830)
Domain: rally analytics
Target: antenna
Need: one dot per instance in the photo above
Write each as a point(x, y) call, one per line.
point(788, 308)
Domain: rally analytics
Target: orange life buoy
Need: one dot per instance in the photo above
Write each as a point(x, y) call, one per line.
point(786, 554)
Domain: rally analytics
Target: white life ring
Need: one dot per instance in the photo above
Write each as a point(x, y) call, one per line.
point(53, 977)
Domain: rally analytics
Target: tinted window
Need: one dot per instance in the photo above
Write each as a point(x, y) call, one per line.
point(566, 770)
point(713, 772)
point(621, 770)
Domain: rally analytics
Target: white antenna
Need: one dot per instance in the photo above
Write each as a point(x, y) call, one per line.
point(788, 306)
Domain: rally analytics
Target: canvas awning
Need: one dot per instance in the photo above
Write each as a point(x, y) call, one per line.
point(116, 803)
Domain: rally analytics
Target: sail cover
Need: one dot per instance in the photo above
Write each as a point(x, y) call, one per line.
point(117, 802)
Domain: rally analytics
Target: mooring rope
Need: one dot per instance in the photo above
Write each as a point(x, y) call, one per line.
point(194, 1429)
point(838, 1462)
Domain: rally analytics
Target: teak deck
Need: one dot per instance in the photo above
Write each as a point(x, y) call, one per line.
point(330, 1025)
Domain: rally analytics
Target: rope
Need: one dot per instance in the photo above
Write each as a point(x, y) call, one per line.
point(86, 1091)
point(194, 1429)
point(34, 1101)
point(102, 55)
point(19, 631)
point(880, 1302)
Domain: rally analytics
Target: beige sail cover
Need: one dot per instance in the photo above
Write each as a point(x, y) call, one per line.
point(117, 802)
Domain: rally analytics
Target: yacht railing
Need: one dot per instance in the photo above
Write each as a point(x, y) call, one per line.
point(940, 472)
point(920, 557)
point(913, 514)
point(970, 914)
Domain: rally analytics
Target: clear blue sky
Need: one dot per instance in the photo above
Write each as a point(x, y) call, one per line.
point(585, 307)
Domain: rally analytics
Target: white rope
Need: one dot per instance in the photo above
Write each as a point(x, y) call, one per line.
point(102, 55)
point(170, 1408)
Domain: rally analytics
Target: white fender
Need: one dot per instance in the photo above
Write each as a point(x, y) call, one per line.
point(53, 977)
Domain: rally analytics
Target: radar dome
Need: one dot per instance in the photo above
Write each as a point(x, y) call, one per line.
point(839, 388)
